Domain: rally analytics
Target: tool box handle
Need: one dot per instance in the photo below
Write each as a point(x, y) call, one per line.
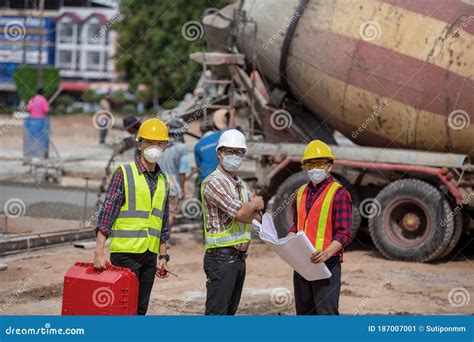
point(109, 267)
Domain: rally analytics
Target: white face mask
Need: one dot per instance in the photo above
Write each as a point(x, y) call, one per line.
point(232, 162)
point(152, 154)
point(317, 175)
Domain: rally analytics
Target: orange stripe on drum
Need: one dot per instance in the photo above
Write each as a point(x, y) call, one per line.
point(385, 72)
point(451, 11)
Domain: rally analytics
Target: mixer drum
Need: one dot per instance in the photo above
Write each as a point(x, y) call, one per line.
point(388, 73)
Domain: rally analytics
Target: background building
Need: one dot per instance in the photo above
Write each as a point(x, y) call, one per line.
point(73, 36)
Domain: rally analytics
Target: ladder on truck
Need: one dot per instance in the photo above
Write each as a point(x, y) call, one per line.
point(234, 63)
point(216, 59)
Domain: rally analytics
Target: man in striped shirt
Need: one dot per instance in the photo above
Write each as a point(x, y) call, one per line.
point(228, 209)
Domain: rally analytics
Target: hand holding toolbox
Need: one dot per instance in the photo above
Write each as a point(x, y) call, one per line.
point(90, 292)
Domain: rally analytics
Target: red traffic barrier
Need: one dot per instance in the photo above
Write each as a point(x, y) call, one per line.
point(86, 291)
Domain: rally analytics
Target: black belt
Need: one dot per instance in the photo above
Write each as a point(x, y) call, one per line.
point(228, 251)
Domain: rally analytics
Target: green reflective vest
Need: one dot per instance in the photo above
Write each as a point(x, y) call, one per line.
point(238, 232)
point(138, 225)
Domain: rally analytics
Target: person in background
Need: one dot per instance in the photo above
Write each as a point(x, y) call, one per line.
point(205, 154)
point(135, 213)
point(38, 106)
point(207, 128)
point(105, 106)
point(175, 162)
point(323, 211)
point(130, 124)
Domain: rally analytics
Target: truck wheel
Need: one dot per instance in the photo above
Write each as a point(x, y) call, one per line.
point(410, 220)
point(282, 208)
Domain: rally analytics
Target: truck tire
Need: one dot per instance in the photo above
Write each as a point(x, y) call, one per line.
point(410, 220)
point(282, 207)
point(457, 220)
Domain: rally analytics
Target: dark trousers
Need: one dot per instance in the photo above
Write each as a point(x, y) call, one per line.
point(102, 135)
point(225, 281)
point(144, 267)
point(319, 297)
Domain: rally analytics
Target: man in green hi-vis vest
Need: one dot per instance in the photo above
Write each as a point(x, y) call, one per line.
point(135, 213)
point(228, 210)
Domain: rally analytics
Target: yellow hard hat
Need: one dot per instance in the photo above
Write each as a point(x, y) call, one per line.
point(317, 149)
point(153, 129)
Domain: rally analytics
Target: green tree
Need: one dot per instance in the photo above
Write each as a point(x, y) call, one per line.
point(154, 51)
point(25, 80)
point(118, 97)
point(91, 96)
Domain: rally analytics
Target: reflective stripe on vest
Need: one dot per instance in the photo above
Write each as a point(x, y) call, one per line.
point(238, 232)
point(135, 233)
point(138, 225)
point(317, 224)
point(210, 240)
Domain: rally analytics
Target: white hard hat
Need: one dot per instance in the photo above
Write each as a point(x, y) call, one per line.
point(232, 138)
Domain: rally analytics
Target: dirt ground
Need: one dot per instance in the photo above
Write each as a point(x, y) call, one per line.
point(67, 130)
point(32, 284)
point(75, 131)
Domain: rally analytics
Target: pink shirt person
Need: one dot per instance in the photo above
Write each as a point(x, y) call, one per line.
point(38, 106)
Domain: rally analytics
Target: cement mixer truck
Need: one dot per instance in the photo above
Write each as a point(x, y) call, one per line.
point(389, 84)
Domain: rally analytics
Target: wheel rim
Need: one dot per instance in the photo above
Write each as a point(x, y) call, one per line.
point(406, 222)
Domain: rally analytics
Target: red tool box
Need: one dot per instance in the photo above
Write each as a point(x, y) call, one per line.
point(113, 291)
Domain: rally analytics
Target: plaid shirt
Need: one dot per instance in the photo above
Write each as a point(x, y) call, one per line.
point(220, 204)
point(341, 212)
point(115, 199)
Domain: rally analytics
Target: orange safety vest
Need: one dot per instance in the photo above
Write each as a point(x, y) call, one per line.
point(317, 224)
